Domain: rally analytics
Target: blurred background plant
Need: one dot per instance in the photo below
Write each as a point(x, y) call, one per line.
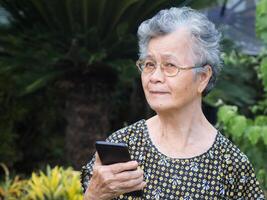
point(67, 76)
point(247, 127)
point(53, 184)
point(11, 189)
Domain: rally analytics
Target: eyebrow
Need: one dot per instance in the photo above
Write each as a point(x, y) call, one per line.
point(164, 56)
point(169, 56)
point(150, 57)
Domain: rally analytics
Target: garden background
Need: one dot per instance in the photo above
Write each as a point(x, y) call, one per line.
point(68, 78)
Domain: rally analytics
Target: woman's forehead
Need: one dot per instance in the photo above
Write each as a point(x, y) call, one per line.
point(171, 44)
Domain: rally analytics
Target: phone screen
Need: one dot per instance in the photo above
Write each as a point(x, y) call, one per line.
point(111, 153)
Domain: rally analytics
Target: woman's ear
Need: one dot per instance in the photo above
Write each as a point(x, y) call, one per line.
point(204, 78)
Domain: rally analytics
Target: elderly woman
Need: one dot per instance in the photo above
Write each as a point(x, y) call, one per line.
point(179, 153)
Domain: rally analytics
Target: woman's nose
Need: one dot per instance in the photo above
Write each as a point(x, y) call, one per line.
point(157, 75)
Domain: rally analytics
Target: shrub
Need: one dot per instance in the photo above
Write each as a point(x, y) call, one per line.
point(54, 184)
point(11, 189)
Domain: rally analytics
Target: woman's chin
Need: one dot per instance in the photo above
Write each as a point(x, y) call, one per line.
point(160, 107)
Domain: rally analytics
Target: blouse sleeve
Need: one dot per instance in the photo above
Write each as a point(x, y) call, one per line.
point(86, 173)
point(247, 185)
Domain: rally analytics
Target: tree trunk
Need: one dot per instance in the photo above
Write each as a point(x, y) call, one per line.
point(87, 113)
point(87, 121)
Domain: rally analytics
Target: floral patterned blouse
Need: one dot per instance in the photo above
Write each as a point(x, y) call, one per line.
point(223, 172)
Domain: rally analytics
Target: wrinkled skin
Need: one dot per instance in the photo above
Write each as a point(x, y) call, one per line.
point(110, 181)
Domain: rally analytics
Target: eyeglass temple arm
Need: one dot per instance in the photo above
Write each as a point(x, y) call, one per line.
point(194, 67)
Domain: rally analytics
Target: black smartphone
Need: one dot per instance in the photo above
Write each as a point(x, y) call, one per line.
point(111, 153)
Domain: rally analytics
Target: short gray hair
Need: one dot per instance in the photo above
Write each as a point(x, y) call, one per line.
point(206, 37)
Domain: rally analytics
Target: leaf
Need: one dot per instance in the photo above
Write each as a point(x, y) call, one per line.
point(263, 71)
point(232, 90)
point(261, 120)
point(237, 126)
point(226, 113)
point(254, 134)
point(123, 6)
point(39, 83)
point(264, 135)
point(261, 23)
point(55, 184)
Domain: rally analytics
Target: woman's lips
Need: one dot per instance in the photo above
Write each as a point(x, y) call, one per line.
point(158, 92)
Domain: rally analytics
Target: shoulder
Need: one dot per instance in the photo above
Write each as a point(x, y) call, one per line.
point(128, 133)
point(231, 154)
point(239, 173)
point(134, 137)
point(230, 150)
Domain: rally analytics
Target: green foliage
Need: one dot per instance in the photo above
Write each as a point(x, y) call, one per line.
point(237, 91)
point(11, 189)
point(27, 120)
point(248, 134)
point(261, 23)
point(261, 30)
point(241, 128)
point(263, 69)
point(241, 91)
point(54, 184)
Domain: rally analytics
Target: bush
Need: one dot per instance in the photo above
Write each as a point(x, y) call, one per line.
point(54, 184)
point(11, 189)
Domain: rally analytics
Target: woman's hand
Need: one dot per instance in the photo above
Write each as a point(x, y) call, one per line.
point(110, 181)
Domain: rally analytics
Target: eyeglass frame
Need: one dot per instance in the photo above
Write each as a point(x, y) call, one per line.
point(138, 62)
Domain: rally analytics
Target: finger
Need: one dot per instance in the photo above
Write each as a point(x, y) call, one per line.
point(139, 186)
point(130, 183)
point(128, 175)
point(120, 167)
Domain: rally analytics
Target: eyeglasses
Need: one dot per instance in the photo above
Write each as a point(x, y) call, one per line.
point(147, 66)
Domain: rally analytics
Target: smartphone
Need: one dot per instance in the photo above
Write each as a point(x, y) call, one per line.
point(111, 153)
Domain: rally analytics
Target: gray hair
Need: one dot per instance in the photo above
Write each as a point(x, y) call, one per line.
point(206, 37)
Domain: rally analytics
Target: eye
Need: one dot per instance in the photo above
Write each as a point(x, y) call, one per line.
point(149, 64)
point(169, 65)
point(170, 69)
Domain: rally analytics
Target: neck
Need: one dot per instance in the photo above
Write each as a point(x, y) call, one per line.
point(183, 126)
